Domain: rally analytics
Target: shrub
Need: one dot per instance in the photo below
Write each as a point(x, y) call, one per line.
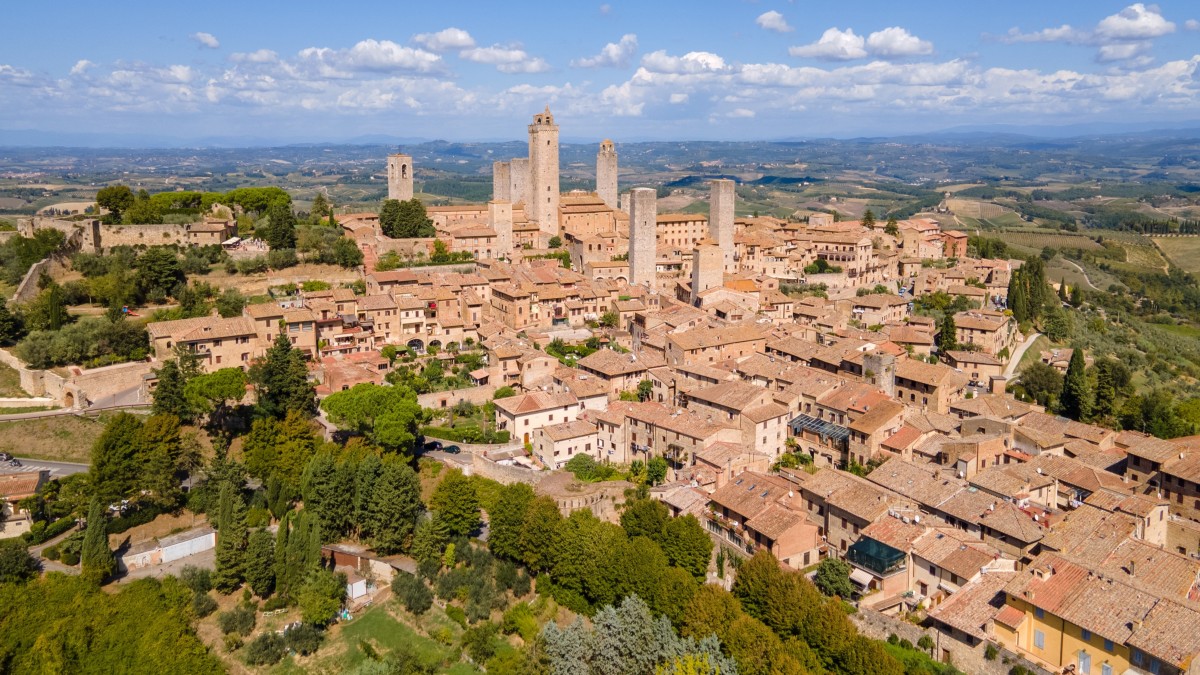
point(905, 644)
point(991, 652)
point(196, 578)
point(412, 592)
point(520, 619)
point(41, 532)
point(893, 639)
point(203, 605)
point(258, 518)
point(70, 558)
point(266, 650)
point(274, 603)
point(477, 640)
point(51, 553)
point(238, 620)
point(457, 615)
point(233, 642)
point(303, 639)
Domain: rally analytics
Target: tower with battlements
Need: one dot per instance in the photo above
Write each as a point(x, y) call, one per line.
point(643, 218)
point(720, 218)
point(541, 205)
point(606, 173)
point(400, 177)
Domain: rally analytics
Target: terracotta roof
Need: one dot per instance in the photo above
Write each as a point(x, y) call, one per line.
point(568, 430)
point(535, 402)
point(736, 395)
point(1170, 631)
point(979, 602)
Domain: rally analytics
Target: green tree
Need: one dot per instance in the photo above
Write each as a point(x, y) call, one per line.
point(412, 592)
point(1076, 399)
point(892, 228)
point(320, 208)
point(16, 565)
point(260, 563)
point(48, 310)
point(645, 390)
point(656, 470)
point(539, 534)
point(405, 219)
point(158, 272)
point(947, 334)
point(1042, 383)
point(169, 396)
point(346, 253)
point(280, 232)
point(1018, 300)
point(555, 242)
point(687, 545)
point(394, 508)
point(321, 597)
point(610, 319)
point(12, 326)
point(231, 303)
point(503, 392)
point(116, 198)
point(389, 417)
point(281, 380)
point(231, 539)
point(506, 519)
point(456, 504)
point(645, 518)
point(160, 457)
point(213, 393)
point(868, 219)
point(429, 543)
point(96, 558)
point(115, 467)
point(833, 578)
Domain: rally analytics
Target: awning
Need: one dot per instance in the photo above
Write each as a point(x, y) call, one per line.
point(861, 577)
point(231, 241)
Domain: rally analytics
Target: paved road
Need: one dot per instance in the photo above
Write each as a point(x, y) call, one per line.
point(1016, 357)
point(56, 469)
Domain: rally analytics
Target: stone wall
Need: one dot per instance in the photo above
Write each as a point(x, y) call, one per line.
point(78, 387)
point(141, 235)
point(28, 289)
point(964, 657)
point(448, 399)
point(506, 475)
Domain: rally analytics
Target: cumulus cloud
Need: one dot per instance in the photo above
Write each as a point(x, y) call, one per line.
point(690, 63)
point(834, 45)
point(506, 59)
point(81, 67)
point(1121, 51)
point(370, 55)
point(773, 21)
point(896, 42)
point(613, 55)
point(740, 112)
point(676, 99)
point(1191, 24)
point(1064, 33)
point(257, 56)
point(1135, 22)
point(206, 40)
point(445, 40)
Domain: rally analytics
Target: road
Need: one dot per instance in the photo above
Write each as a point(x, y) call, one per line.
point(56, 469)
point(1016, 357)
point(1085, 276)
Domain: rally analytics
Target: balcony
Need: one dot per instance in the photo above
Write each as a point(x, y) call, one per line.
point(876, 557)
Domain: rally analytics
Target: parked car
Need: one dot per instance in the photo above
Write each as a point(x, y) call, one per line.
point(452, 449)
point(433, 445)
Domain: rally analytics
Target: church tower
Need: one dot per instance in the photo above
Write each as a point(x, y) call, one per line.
point(606, 173)
point(541, 205)
point(400, 177)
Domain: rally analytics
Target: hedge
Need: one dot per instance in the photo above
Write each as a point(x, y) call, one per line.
point(41, 532)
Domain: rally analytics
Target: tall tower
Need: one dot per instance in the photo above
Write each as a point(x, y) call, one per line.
point(720, 218)
point(500, 219)
point(518, 182)
point(643, 218)
point(502, 181)
point(542, 203)
point(707, 269)
point(606, 173)
point(400, 177)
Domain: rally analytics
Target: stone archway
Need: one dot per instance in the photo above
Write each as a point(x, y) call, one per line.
point(416, 345)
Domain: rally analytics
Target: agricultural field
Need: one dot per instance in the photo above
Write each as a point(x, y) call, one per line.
point(1034, 241)
point(1183, 251)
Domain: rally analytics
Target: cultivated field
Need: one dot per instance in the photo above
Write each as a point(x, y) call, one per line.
point(1183, 251)
point(1036, 241)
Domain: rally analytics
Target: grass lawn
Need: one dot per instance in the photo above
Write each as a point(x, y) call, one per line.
point(64, 439)
point(1033, 354)
point(1183, 251)
point(1185, 331)
point(10, 383)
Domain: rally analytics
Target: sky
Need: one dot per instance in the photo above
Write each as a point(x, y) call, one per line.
point(276, 71)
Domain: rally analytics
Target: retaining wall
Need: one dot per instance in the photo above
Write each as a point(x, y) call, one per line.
point(506, 475)
point(448, 399)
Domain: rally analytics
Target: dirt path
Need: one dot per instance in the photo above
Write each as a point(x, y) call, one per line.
point(1085, 275)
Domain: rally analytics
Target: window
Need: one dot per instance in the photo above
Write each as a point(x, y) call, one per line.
point(1039, 639)
point(1085, 662)
point(1106, 669)
point(1087, 635)
point(1039, 613)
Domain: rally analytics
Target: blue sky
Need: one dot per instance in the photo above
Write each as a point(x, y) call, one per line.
point(297, 71)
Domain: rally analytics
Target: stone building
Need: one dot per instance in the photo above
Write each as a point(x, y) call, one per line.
point(643, 216)
point(606, 173)
point(542, 202)
point(720, 219)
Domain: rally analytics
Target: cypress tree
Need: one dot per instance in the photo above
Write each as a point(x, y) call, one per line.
point(168, 395)
point(947, 334)
point(231, 540)
point(1076, 399)
point(1062, 290)
point(260, 563)
point(281, 555)
point(1017, 301)
point(98, 563)
point(395, 506)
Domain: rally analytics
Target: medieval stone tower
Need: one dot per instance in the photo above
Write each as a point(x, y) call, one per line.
point(606, 173)
point(879, 369)
point(542, 201)
point(502, 181)
point(500, 219)
point(720, 219)
point(708, 269)
point(643, 218)
point(400, 177)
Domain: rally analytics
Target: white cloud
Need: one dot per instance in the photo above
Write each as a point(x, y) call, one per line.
point(206, 40)
point(1064, 33)
point(369, 55)
point(676, 99)
point(81, 67)
point(1121, 51)
point(896, 41)
point(773, 21)
point(1135, 22)
point(613, 55)
point(605, 9)
point(1191, 24)
point(834, 45)
point(740, 112)
point(690, 63)
point(257, 56)
point(506, 59)
point(444, 40)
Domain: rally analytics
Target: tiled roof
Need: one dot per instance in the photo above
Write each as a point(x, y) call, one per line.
point(535, 402)
point(977, 603)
